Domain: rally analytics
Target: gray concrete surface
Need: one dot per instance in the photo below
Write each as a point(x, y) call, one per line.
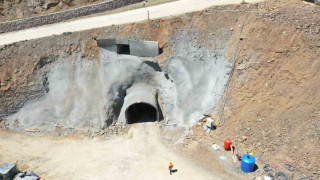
point(89, 97)
point(94, 93)
point(108, 44)
point(144, 48)
point(139, 93)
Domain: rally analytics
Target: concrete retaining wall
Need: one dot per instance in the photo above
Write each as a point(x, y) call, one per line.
point(64, 15)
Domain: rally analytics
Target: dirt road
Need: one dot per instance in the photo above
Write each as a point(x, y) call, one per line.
point(137, 155)
point(159, 11)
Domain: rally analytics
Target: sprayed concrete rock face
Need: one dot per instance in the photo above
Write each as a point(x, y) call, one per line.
point(84, 94)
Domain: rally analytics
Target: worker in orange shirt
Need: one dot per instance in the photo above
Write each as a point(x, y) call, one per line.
point(170, 167)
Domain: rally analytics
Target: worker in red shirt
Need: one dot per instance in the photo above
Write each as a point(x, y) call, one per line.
point(170, 167)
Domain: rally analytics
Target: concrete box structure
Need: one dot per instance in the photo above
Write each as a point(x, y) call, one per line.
point(109, 44)
point(132, 47)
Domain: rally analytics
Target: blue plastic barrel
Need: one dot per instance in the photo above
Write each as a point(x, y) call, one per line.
point(247, 163)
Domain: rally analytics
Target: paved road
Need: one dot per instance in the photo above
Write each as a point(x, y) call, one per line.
point(159, 11)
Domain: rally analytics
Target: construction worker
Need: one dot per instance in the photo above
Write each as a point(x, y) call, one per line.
point(170, 167)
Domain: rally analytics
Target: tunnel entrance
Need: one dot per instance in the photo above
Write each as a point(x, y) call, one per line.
point(141, 112)
point(123, 49)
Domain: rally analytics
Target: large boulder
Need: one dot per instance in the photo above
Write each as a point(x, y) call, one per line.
point(317, 2)
point(7, 171)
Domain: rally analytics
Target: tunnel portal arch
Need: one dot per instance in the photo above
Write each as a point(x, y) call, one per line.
point(140, 105)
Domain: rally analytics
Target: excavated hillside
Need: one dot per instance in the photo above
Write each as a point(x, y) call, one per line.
point(271, 102)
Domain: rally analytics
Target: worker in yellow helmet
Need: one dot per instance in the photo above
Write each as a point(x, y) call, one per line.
point(170, 167)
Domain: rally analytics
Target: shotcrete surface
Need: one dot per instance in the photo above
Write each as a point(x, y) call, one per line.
point(84, 94)
point(139, 93)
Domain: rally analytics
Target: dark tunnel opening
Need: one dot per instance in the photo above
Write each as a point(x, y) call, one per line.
point(141, 112)
point(123, 49)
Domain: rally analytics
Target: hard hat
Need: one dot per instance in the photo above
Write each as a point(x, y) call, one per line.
point(170, 162)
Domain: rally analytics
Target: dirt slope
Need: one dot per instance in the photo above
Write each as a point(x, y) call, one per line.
point(273, 97)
